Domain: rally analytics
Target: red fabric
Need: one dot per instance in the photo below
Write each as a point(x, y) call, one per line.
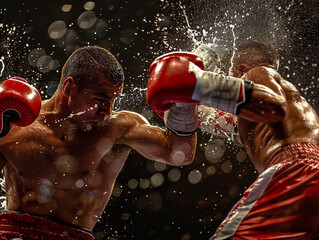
point(289, 207)
point(27, 227)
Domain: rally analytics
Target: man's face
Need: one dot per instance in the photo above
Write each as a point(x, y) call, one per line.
point(91, 105)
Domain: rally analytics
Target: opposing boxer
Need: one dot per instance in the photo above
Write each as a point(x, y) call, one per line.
point(61, 169)
point(278, 129)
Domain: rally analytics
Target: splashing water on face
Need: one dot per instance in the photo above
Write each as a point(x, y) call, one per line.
point(133, 100)
point(70, 116)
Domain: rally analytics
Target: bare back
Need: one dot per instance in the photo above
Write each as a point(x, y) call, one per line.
point(70, 178)
point(300, 124)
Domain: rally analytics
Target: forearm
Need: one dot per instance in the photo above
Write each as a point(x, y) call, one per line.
point(161, 145)
point(182, 149)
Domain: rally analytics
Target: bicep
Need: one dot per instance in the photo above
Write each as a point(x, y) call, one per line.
point(149, 141)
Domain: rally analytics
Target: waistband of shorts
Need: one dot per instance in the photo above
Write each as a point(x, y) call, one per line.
point(295, 151)
point(10, 214)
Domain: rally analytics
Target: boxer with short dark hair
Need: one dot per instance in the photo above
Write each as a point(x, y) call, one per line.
point(279, 130)
point(61, 169)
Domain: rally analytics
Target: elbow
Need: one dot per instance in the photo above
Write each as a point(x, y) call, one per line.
point(183, 150)
point(179, 158)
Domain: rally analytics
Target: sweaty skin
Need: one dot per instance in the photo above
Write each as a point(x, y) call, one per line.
point(64, 165)
point(271, 120)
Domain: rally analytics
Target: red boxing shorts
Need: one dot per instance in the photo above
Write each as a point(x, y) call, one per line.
point(283, 203)
point(28, 227)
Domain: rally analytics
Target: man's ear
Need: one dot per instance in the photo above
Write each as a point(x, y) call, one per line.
point(68, 86)
point(243, 68)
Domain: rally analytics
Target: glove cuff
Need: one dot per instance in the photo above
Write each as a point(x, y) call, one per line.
point(222, 92)
point(182, 119)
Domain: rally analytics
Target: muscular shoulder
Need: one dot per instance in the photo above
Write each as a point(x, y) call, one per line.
point(262, 74)
point(127, 119)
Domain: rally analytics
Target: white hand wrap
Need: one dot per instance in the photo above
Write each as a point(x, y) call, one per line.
point(222, 92)
point(182, 119)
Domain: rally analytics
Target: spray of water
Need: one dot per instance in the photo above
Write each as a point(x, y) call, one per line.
point(131, 100)
point(234, 48)
point(2, 66)
point(2, 192)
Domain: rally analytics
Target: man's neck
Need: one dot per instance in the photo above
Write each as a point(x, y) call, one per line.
point(56, 116)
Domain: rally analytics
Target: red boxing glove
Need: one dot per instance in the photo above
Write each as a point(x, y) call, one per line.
point(171, 81)
point(166, 90)
point(179, 78)
point(20, 104)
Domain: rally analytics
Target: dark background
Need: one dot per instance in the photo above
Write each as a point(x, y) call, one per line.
point(136, 32)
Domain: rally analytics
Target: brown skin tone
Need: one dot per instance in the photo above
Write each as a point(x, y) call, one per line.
point(276, 115)
point(65, 165)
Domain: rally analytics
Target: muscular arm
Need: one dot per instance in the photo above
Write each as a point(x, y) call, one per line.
point(268, 100)
point(157, 144)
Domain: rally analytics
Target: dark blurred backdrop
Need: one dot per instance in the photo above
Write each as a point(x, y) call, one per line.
point(151, 200)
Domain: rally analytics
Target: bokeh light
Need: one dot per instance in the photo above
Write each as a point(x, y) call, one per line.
point(132, 183)
point(35, 55)
point(194, 176)
point(144, 183)
point(174, 175)
point(117, 190)
point(57, 29)
point(87, 19)
point(214, 151)
point(66, 7)
point(45, 64)
point(89, 6)
point(241, 156)
point(157, 179)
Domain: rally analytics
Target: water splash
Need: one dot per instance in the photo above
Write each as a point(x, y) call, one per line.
point(2, 66)
point(234, 48)
point(70, 116)
point(191, 33)
point(2, 192)
point(131, 100)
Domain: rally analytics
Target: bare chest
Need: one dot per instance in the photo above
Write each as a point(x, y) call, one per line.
point(43, 154)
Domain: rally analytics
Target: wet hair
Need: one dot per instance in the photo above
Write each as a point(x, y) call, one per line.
point(87, 64)
point(246, 53)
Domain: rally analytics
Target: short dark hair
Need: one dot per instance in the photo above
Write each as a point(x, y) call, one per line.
point(267, 52)
point(91, 62)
